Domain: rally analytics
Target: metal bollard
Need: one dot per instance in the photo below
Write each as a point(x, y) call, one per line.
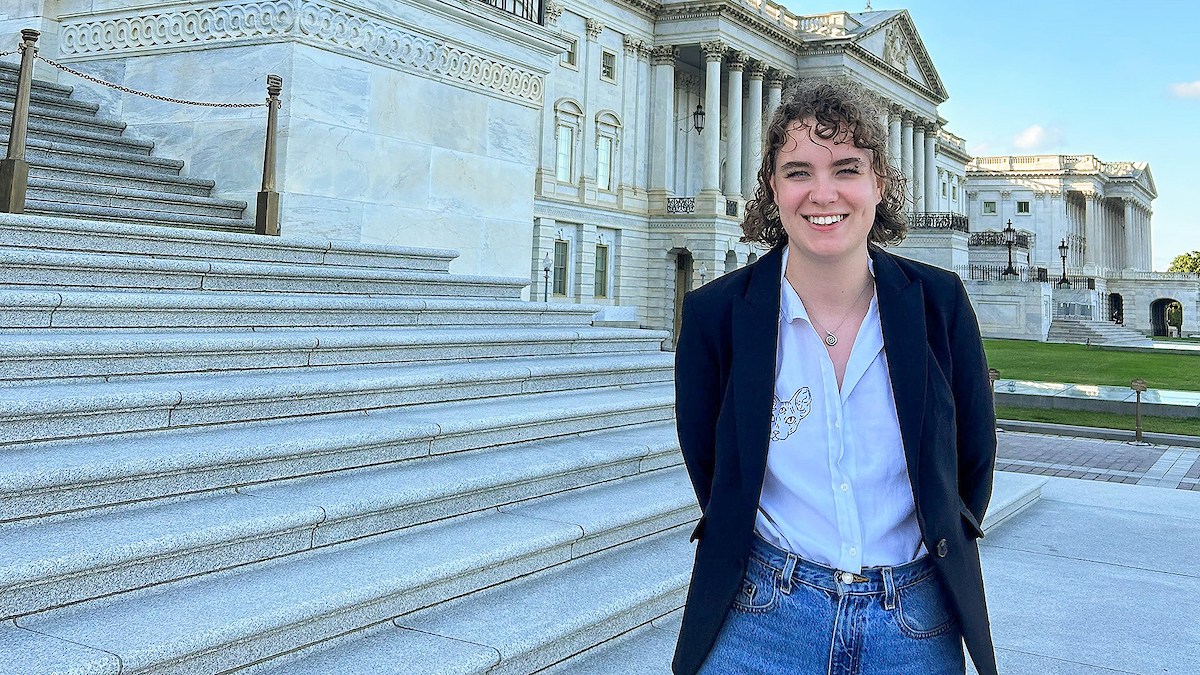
point(993, 375)
point(1138, 385)
point(266, 217)
point(14, 170)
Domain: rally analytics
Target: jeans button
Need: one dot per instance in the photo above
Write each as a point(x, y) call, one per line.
point(942, 548)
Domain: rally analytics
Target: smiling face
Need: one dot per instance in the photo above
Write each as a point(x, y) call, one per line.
point(826, 192)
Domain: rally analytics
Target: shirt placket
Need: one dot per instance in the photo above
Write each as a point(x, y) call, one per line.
point(850, 548)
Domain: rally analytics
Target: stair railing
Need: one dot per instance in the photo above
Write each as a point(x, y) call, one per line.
point(14, 170)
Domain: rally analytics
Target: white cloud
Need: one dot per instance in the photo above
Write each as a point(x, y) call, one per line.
point(1037, 139)
point(1186, 89)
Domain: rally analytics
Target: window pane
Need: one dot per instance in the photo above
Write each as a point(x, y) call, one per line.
point(608, 65)
point(569, 56)
point(601, 290)
point(989, 207)
point(604, 164)
point(1022, 207)
point(560, 267)
point(566, 139)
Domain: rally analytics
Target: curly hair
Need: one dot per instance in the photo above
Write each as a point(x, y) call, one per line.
point(841, 110)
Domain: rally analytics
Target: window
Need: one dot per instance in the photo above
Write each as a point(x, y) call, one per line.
point(954, 192)
point(601, 289)
point(604, 163)
point(569, 58)
point(989, 208)
point(561, 249)
point(1023, 207)
point(566, 141)
point(943, 188)
point(608, 66)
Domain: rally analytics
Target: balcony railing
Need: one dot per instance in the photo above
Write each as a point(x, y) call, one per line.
point(530, 10)
point(938, 221)
point(681, 204)
point(997, 273)
point(994, 238)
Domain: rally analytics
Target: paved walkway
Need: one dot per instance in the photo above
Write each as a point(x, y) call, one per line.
point(1100, 460)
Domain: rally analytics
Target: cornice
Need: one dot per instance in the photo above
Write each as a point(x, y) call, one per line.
point(887, 69)
point(701, 10)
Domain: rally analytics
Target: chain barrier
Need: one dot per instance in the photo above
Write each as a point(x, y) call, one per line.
point(15, 51)
point(156, 97)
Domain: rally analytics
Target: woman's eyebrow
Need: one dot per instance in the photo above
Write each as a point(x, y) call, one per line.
point(797, 164)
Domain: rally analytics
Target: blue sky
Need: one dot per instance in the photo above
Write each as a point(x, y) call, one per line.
point(1118, 80)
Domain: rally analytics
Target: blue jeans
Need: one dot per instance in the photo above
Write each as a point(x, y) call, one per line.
point(797, 617)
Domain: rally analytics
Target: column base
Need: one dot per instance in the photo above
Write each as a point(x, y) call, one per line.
point(657, 200)
point(710, 203)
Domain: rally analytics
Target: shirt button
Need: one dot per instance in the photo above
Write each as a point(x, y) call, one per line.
point(845, 487)
point(837, 424)
point(853, 552)
point(847, 578)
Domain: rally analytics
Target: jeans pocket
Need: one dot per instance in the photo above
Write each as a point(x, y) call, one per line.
point(922, 609)
point(760, 589)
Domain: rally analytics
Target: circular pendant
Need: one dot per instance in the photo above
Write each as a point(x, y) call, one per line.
point(830, 339)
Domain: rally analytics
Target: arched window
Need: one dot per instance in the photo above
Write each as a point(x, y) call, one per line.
point(568, 127)
point(730, 261)
point(608, 149)
point(750, 259)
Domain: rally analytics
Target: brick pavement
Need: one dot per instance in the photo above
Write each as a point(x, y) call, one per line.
point(1096, 459)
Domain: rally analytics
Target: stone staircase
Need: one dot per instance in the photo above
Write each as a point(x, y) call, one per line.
point(222, 453)
point(1085, 331)
point(81, 166)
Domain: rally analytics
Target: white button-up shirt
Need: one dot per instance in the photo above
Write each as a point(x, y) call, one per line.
point(836, 490)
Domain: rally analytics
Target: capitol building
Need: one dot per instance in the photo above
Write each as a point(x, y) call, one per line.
point(605, 150)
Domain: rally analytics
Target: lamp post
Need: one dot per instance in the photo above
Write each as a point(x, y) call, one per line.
point(1010, 238)
point(1064, 282)
point(547, 264)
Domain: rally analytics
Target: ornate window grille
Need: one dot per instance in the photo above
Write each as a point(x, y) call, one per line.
point(681, 204)
point(939, 221)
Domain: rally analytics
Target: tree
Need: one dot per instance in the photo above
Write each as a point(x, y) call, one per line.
point(1186, 262)
point(1175, 315)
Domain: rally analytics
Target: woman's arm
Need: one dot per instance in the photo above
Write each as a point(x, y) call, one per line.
point(697, 399)
point(976, 416)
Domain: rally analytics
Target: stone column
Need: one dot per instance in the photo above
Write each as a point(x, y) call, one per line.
point(645, 105)
point(774, 92)
point(1148, 247)
point(906, 153)
point(733, 139)
point(918, 170)
point(662, 123)
point(894, 135)
point(932, 184)
point(755, 133)
point(1091, 230)
point(587, 173)
point(713, 53)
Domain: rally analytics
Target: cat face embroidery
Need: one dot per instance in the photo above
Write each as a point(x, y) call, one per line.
point(785, 419)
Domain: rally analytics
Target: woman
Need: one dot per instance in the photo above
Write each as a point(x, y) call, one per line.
point(835, 416)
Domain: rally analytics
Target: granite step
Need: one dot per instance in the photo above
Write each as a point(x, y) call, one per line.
point(45, 96)
point(645, 650)
point(77, 271)
point(50, 132)
point(129, 178)
point(20, 309)
point(10, 68)
point(48, 356)
point(224, 620)
point(57, 411)
point(71, 234)
point(37, 206)
point(65, 119)
point(109, 196)
point(54, 562)
point(38, 150)
point(58, 477)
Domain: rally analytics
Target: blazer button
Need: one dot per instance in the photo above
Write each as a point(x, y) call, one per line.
point(942, 548)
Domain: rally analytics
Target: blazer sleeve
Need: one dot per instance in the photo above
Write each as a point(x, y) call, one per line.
point(697, 399)
point(975, 414)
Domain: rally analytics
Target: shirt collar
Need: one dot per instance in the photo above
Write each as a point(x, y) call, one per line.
point(790, 305)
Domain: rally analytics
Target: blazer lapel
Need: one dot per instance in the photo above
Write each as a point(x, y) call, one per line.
point(755, 331)
point(902, 314)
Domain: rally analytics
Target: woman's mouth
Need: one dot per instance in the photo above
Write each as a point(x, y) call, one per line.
point(825, 220)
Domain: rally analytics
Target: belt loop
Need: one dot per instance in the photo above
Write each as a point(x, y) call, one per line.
point(889, 589)
point(789, 568)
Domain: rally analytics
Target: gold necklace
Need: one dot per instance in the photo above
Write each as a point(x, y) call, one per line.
point(830, 338)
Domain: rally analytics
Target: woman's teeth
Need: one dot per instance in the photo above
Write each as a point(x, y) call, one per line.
point(824, 220)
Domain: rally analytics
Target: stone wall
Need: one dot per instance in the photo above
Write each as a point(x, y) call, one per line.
point(1012, 309)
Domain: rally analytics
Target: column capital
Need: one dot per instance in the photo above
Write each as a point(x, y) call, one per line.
point(593, 28)
point(775, 78)
point(932, 127)
point(643, 51)
point(907, 118)
point(756, 70)
point(664, 55)
point(737, 60)
point(895, 110)
point(554, 11)
point(630, 45)
point(714, 50)
point(1005, 194)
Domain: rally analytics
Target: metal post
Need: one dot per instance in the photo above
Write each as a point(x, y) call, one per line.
point(1138, 385)
point(993, 375)
point(266, 218)
point(14, 170)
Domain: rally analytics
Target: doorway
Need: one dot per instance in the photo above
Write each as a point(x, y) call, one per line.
point(683, 284)
point(1116, 308)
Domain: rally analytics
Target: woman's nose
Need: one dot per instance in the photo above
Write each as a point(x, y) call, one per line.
point(823, 191)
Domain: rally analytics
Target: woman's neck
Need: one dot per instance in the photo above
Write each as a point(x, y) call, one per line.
point(825, 284)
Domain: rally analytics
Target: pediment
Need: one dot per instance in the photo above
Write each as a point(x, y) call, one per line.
point(892, 38)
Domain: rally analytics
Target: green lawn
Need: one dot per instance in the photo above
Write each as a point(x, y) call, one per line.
point(1079, 364)
point(1166, 425)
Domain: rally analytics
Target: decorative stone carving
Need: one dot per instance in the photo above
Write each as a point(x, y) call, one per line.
point(685, 81)
point(1005, 194)
point(664, 55)
point(384, 42)
point(593, 28)
point(554, 11)
point(713, 50)
point(756, 70)
point(775, 78)
point(972, 194)
point(630, 45)
point(737, 60)
point(895, 50)
point(1040, 196)
point(644, 51)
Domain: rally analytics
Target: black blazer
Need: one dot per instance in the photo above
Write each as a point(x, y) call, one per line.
point(724, 379)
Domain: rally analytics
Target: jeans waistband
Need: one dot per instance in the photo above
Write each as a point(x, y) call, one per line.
point(869, 580)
